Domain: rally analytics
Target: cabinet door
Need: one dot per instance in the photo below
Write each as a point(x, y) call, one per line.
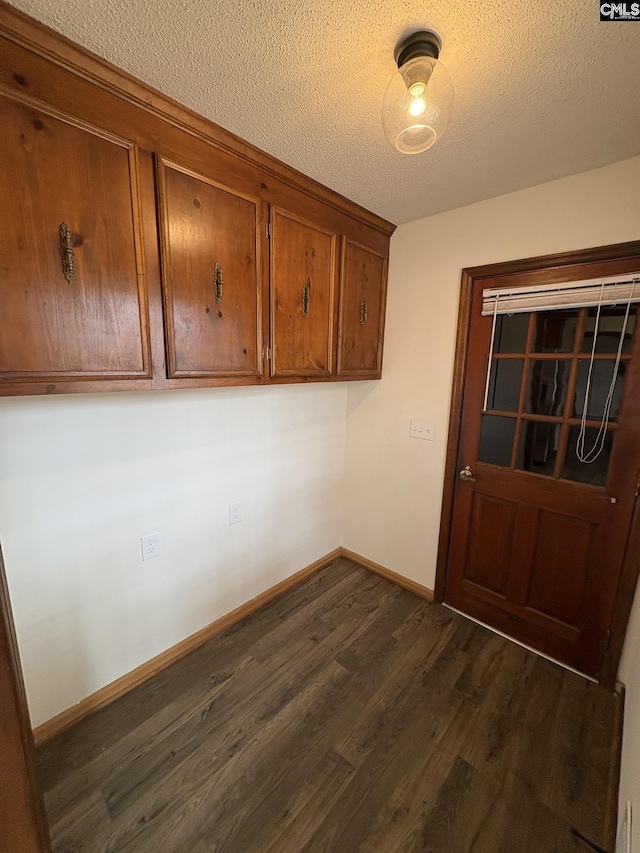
point(362, 303)
point(211, 250)
point(303, 275)
point(72, 292)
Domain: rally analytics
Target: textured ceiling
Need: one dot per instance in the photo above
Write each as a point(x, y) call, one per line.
point(543, 89)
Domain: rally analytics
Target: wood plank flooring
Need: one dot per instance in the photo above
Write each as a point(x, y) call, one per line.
point(349, 715)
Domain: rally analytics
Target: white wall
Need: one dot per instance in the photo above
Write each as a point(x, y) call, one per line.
point(83, 476)
point(393, 484)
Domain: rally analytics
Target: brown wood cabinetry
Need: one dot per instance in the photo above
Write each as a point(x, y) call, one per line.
point(116, 275)
point(72, 291)
point(303, 279)
point(363, 282)
point(212, 276)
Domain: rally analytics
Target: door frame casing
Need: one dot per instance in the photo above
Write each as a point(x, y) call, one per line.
point(24, 809)
point(630, 570)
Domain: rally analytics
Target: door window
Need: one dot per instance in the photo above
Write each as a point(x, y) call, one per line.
point(504, 384)
point(496, 440)
point(539, 443)
point(555, 331)
point(547, 386)
point(539, 374)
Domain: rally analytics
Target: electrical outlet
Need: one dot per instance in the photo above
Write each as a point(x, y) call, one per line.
point(235, 513)
point(150, 546)
point(422, 429)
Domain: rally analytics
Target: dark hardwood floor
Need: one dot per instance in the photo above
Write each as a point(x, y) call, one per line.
point(349, 715)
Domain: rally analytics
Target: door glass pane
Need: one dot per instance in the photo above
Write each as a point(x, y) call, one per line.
point(601, 376)
point(547, 386)
point(496, 440)
point(504, 384)
point(538, 447)
point(609, 329)
point(595, 472)
point(511, 333)
point(555, 331)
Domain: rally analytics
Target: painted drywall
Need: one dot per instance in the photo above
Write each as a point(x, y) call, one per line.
point(83, 477)
point(393, 483)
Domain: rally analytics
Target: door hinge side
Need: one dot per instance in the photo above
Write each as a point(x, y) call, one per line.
point(268, 229)
point(607, 640)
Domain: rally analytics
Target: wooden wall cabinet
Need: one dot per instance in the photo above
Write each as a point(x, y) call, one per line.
point(303, 286)
point(363, 288)
point(135, 251)
point(72, 289)
point(212, 266)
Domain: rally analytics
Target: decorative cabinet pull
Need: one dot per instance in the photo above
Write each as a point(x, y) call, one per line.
point(306, 297)
point(364, 311)
point(218, 283)
point(66, 251)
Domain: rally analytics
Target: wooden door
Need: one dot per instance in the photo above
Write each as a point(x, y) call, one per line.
point(72, 288)
point(538, 537)
point(212, 273)
point(363, 282)
point(23, 823)
point(303, 281)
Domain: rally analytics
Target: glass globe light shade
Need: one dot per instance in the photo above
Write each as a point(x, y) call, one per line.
point(417, 105)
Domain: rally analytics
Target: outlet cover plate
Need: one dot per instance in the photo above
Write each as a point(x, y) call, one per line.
point(150, 546)
point(235, 513)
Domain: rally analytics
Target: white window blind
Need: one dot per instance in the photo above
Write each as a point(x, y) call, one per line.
point(616, 290)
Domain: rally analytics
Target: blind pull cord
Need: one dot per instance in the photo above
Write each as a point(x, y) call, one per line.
point(598, 444)
point(555, 386)
point(493, 337)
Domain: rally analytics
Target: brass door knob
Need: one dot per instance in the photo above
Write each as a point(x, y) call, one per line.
point(467, 475)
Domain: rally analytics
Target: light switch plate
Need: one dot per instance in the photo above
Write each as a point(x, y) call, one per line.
point(423, 429)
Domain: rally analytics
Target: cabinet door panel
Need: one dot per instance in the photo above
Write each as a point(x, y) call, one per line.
point(212, 276)
point(362, 304)
point(88, 319)
point(303, 273)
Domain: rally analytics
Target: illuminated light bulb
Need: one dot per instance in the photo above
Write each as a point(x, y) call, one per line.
point(417, 106)
point(418, 101)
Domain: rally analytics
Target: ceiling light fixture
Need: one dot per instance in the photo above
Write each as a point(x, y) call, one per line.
point(418, 101)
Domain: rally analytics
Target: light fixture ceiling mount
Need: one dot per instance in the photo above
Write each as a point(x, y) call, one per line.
point(420, 43)
point(418, 101)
